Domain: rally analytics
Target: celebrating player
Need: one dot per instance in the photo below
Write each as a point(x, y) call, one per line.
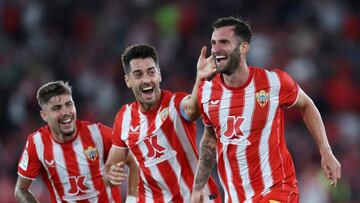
point(69, 154)
point(242, 109)
point(158, 129)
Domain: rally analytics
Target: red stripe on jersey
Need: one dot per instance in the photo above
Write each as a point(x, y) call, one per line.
point(172, 138)
point(237, 100)
point(156, 190)
point(280, 158)
point(49, 157)
point(289, 89)
point(87, 141)
point(275, 153)
point(117, 129)
point(214, 105)
point(72, 167)
point(165, 168)
point(259, 118)
point(214, 116)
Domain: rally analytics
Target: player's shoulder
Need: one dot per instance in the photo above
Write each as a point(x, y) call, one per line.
point(280, 72)
point(81, 124)
point(42, 131)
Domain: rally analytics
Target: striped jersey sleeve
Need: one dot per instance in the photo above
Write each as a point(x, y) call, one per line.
point(29, 164)
point(288, 89)
point(118, 128)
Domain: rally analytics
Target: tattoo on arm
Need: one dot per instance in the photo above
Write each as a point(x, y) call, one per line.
point(206, 163)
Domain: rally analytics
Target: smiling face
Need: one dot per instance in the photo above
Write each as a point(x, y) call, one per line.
point(144, 79)
point(225, 47)
point(60, 114)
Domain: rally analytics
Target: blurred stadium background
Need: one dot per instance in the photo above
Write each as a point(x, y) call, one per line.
point(80, 41)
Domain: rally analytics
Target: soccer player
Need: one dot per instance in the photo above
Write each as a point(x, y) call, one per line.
point(158, 129)
point(69, 154)
point(242, 109)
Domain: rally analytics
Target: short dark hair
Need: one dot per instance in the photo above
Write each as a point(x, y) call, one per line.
point(241, 27)
point(138, 51)
point(51, 89)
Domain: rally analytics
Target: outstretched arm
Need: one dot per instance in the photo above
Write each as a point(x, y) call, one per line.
point(114, 172)
point(315, 125)
point(206, 163)
point(22, 192)
point(205, 69)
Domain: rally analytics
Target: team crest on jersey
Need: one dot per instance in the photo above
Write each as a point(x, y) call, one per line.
point(262, 97)
point(164, 113)
point(91, 153)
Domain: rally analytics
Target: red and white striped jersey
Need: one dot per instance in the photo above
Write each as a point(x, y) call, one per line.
point(72, 170)
point(164, 146)
point(248, 120)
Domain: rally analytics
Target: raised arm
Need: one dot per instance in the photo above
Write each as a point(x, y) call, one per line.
point(114, 167)
point(206, 163)
point(22, 192)
point(315, 125)
point(205, 69)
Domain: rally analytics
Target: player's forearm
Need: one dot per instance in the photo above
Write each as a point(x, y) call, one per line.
point(206, 162)
point(190, 106)
point(24, 196)
point(315, 125)
point(133, 179)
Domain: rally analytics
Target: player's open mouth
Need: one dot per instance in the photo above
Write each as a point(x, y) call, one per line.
point(221, 59)
point(66, 121)
point(147, 92)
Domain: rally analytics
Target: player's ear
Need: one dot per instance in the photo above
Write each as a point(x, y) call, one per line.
point(126, 77)
point(43, 115)
point(244, 47)
point(160, 76)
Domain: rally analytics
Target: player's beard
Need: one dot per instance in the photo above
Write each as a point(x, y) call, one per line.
point(233, 62)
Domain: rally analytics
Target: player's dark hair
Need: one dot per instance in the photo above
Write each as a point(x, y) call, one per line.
point(51, 89)
point(138, 51)
point(241, 27)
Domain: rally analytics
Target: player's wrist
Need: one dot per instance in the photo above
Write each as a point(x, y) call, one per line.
point(131, 199)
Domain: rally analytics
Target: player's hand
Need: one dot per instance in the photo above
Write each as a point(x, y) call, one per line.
point(197, 197)
point(331, 167)
point(117, 173)
point(206, 67)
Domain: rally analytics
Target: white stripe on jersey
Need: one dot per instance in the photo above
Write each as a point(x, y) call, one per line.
point(223, 114)
point(97, 138)
point(154, 172)
point(61, 166)
point(176, 168)
point(39, 146)
point(249, 100)
point(206, 97)
point(125, 125)
point(148, 192)
point(264, 143)
point(83, 165)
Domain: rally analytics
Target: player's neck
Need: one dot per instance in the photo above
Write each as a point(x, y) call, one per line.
point(61, 138)
point(145, 108)
point(238, 77)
